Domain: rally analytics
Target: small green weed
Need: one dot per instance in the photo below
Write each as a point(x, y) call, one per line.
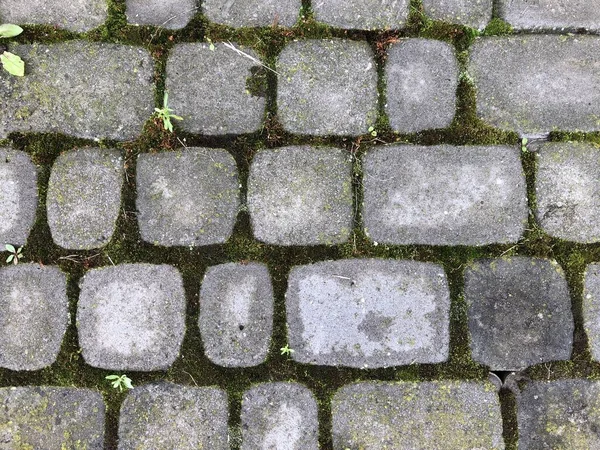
point(165, 113)
point(286, 350)
point(120, 382)
point(15, 254)
point(12, 63)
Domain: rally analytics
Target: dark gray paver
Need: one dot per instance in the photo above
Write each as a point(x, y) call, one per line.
point(327, 87)
point(34, 315)
point(188, 197)
point(551, 14)
point(471, 13)
point(535, 84)
point(453, 415)
point(209, 89)
point(252, 13)
point(18, 196)
point(171, 14)
point(421, 78)
point(567, 184)
point(378, 313)
point(170, 416)
point(40, 417)
point(84, 197)
point(519, 312)
point(362, 14)
point(279, 416)
point(301, 196)
point(236, 314)
point(84, 89)
point(444, 195)
point(131, 317)
point(591, 308)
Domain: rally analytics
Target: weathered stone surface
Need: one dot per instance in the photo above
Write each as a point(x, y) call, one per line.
point(236, 314)
point(18, 196)
point(567, 185)
point(301, 196)
point(519, 312)
point(551, 14)
point(378, 313)
point(452, 415)
point(84, 197)
point(253, 13)
point(210, 89)
point(104, 91)
point(421, 79)
point(471, 13)
point(171, 14)
point(51, 418)
point(535, 84)
point(444, 195)
point(169, 416)
point(131, 317)
point(362, 14)
point(188, 197)
point(34, 318)
point(279, 415)
point(81, 15)
point(327, 87)
point(591, 308)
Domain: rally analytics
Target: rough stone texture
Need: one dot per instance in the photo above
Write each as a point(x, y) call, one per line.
point(591, 308)
point(362, 14)
point(279, 416)
point(535, 84)
point(171, 14)
point(327, 87)
point(131, 317)
point(18, 196)
point(236, 314)
point(453, 415)
point(301, 196)
point(34, 315)
point(51, 418)
point(444, 195)
point(471, 13)
point(378, 313)
point(168, 416)
point(252, 13)
point(551, 14)
point(563, 414)
point(210, 89)
point(519, 312)
point(84, 89)
point(567, 186)
point(79, 16)
point(84, 197)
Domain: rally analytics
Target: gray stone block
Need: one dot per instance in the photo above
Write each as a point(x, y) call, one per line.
point(84, 197)
point(591, 308)
point(453, 415)
point(421, 78)
point(171, 14)
point(169, 416)
point(39, 417)
point(327, 87)
point(188, 197)
point(35, 315)
point(444, 195)
point(519, 312)
point(301, 196)
point(379, 313)
point(539, 83)
point(131, 317)
point(236, 314)
point(210, 89)
point(470, 13)
point(85, 89)
point(362, 14)
point(253, 13)
point(18, 196)
point(279, 416)
point(553, 15)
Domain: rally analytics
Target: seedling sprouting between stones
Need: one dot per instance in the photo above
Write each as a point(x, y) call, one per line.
point(12, 63)
point(286, 350)
point(164, 113)
point(120, 382)
point(15, 254)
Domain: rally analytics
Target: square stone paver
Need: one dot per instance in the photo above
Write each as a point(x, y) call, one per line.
point(252, 13)
point(551, 15)
point(591, 308)
point(470, 13)
point(171, 14)
point(362, 14)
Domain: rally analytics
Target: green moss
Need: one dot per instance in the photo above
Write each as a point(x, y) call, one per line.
point(498, 27)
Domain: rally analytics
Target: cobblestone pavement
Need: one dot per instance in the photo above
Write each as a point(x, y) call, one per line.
point(375, 227)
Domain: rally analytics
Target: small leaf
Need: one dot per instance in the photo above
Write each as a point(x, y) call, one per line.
point(127, 383)
point(10, 258)
point(173, 116)
point(112, 377)
point(165, 99)
point(12, 64)
point(16, 261)
point(8, 30)
point(10, 248)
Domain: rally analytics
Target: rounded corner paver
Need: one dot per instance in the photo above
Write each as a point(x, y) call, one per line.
point(362, 14)
point(470, 13)
point(551, 15)
point(252, 13)
point(170, 14)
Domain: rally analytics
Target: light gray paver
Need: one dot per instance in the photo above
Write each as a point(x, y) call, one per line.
point(327, 87)
point(378, 313)
point(209, 89)
point(39, 417)
point(453, 415)
point(591, 308)
point(253, 13)
point(171, 14)
point(362, 14)
point(34, 315)
point(301, 196)
point(470, 13)
point(551, 14)
point(131, 317)
point(170, 416)
point(188, 197)
point(236, 314)
point(444, 195)
point(104, 91)
point(84, 197)
point(535, 84)
point(18, 196)
point(519, 312)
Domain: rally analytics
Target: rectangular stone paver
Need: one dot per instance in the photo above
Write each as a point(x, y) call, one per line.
point(171, 14)
point(559, 15)
point(471, 13)
point(362, 14)
point(252, 13)
point(591, 308)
